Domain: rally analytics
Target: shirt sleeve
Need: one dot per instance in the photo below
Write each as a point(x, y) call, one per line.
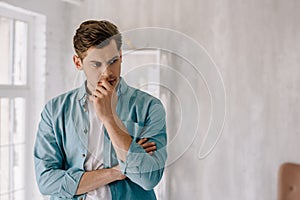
point(140, 167)
point(51, 176)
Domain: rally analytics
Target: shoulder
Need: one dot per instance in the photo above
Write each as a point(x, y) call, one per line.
point(65, 99)
point(146, 105)
point(141, 97)
point(66, 96)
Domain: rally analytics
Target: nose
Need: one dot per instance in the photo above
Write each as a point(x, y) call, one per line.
point(106, 73)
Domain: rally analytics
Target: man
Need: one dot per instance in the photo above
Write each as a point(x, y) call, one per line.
point(104, 140)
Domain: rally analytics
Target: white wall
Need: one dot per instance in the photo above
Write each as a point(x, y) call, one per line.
point(256, 46)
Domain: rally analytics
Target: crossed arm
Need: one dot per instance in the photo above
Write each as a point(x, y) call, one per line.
point(141, 168)
point(94, 179)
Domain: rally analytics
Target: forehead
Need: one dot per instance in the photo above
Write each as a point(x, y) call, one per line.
point(102, 54)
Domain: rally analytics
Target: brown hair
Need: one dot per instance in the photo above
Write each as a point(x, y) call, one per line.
point(93, 33)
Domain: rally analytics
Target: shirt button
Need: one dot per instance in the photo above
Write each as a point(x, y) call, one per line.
point(83, 155)
point(85, 131)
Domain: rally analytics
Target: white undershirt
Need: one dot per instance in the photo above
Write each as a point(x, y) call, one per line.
point(94, 158)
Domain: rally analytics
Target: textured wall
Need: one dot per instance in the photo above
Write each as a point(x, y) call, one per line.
point(256, 45)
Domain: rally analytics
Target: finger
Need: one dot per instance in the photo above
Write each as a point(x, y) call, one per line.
point(142, 141)
point(97, 93)
point(148, 144)
point(149, 149)
point(106, 85)
point(91, 98)
point(101, 89)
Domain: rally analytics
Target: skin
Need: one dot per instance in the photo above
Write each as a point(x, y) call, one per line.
point(102, 68)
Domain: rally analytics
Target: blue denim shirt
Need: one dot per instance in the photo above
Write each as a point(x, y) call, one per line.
point(61, 144)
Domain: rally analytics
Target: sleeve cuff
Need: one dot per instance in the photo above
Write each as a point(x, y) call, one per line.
point(72, 179)
point(134, 158)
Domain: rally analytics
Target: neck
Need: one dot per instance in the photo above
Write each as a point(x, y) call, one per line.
point(89, 88)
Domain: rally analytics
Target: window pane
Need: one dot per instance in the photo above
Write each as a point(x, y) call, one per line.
point(13, 51)
point(141, 70)
point(18, 120)
point(18, 167)
point(4, 197)
point(12, 121)
point(5, 50)
point(12, 148)
point(19, 195)
point(4, 122)
point(4, 170)
point(20, 53)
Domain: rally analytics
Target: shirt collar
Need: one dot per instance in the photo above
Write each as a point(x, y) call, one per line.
point(83, 96)
point(121, 87)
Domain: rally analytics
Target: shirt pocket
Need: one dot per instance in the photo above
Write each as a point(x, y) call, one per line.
point(134, 129)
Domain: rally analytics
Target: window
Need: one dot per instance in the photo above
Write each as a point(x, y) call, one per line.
point(12, 128)
point(13, 51)
point(17, 97)
point(13, 54)
point(141, 69)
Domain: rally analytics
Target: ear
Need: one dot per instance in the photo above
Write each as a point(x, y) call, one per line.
point(77, 62)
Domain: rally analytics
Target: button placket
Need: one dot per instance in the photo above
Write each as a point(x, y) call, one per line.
point(85, 131)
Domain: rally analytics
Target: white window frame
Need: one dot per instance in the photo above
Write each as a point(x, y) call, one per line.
point(151, 73)
point(34, 90)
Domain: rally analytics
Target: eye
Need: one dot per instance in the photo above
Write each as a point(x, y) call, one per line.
point(96, 64)
point(113, 61)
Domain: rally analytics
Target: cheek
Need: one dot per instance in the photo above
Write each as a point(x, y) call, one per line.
point(117, 69)
point(92, 75)
point(116, 72)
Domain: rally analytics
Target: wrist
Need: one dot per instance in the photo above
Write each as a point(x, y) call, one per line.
point(117, 174)
point(108, 120)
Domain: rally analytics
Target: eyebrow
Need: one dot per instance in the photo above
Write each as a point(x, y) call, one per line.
point(114, 58)
point(109, 61)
